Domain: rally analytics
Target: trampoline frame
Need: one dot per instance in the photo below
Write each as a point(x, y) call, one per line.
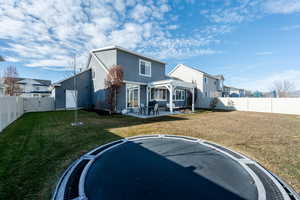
point(59, 193)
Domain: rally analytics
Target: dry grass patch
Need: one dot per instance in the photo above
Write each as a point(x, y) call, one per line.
point(271, 139)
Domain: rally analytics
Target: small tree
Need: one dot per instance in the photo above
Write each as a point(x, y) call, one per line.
point(10, 81)
point(283, 88)
point(213, 103)
point(113, 81)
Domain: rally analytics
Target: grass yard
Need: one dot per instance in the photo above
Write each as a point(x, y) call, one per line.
point(37, 148)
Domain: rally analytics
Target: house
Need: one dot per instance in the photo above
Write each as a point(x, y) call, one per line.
point(208, 86)
point(33, 87)
point(144, 81)
point(229, 91)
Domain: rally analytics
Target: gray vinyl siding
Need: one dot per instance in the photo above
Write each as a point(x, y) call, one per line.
point(99, 100)
point(99, 94)
point(84, 90)
point(121, 98)
point(130, 64)
point(108, 57)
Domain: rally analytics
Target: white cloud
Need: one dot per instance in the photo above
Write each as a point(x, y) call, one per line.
point(180, 48)
point(248, 10)
point(172, 27)
point(264, 53)
point(228, 17)
point(120, 5)
point(129, 36)
point(140, 13)
point(52, 62)
point(282, 6)
point(164, 8)
point(227, 12)
point(11, 59)
point(48, 33)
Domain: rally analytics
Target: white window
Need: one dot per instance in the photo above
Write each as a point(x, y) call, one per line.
point(158, 94)
point(179, 95)
point(145, 68)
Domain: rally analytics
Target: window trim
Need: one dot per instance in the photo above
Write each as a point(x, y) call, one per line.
point(184, 94)
point(126, 95)
point(156, 99)
point(146, 62)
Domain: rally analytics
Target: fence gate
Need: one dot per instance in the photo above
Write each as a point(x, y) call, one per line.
point(71, 98)
point(37, 104)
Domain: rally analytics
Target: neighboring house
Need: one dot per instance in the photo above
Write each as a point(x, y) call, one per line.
point(233, 92)
point(208, 86)
point(144, 81)
point(33, 87)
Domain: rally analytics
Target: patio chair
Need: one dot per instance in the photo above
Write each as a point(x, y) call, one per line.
point(142, 109)
point(155, 109)
point(150, 107)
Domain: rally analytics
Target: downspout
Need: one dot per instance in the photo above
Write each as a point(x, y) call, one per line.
point(116, 99)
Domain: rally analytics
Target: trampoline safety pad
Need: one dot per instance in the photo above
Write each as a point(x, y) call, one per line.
point(168, 167)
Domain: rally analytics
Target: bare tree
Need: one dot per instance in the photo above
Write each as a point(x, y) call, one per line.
point(283, 88)
point(113, 81)
point(10, 81)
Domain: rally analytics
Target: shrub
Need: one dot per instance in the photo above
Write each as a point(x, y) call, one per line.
point(113, 81)
point(213, 103)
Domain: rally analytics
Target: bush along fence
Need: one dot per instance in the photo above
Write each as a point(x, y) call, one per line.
point(11, 107)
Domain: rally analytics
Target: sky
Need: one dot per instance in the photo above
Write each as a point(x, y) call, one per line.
point(251, 42)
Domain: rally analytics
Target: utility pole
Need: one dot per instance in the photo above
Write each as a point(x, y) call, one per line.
point(75, 123)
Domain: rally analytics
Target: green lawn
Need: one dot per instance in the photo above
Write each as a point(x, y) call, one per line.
point(37, 148)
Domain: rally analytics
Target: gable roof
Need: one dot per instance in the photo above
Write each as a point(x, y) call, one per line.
point(196, 69)
point(39, 81)
point(29, 81)
point(125, 50)
point(234, 88)
point(57, 83)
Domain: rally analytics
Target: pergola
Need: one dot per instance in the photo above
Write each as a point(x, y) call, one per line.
point(171, 84)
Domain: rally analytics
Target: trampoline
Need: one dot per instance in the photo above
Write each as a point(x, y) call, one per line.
point(168, 167)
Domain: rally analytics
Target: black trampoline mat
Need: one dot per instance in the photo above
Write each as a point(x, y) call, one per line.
point(165, 168)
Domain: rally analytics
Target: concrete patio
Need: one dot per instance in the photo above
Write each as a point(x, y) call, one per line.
point(161, 113)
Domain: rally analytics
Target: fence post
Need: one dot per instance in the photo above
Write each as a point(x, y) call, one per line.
point(271, 102)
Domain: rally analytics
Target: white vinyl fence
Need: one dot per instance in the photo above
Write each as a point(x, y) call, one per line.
point(269, 105)
point(11, 108)
point(38, 104)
